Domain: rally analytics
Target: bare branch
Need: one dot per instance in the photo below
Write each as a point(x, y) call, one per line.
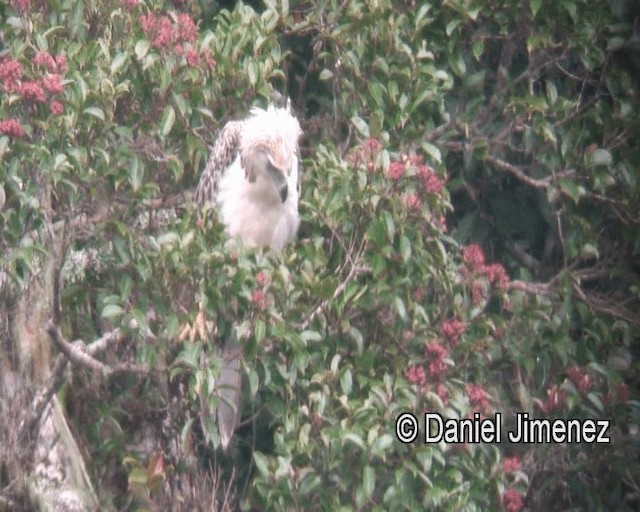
point(55, 381)
point(76, 353)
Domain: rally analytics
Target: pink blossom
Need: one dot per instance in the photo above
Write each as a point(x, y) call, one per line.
point(478, 293)
point(31, 91)
point(190, 54)
point(511, 464)
point(511, 500)
point(262, 279)
point(57, 64)
point(56, 108)
point(53, 83)
point(372, 145)
point(415, 375)
point(165, 33)
point(431, 182)
point(395, 170)
point(10, 73)
point(208, 58)
point(187, 30)
point(21, 5)
point(497, 275)
point(45, 59)
point(11, 127)
point(412, 202)
point(452, 330)
point(148, 22)
point(61, 63)
point(434, 350)
point(473, 256)
point(441, 391)
point(128, 5)
point(477, 396)
point(259, 299)
point(436, 353)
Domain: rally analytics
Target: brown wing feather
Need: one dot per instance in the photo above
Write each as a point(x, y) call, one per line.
point(223, 152)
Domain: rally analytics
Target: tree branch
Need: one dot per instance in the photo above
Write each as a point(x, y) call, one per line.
point(55, 381)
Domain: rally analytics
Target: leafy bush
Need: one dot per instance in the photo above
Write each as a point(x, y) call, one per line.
point(469, 244)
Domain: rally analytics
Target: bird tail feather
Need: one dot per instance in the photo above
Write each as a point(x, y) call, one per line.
point(229, 391)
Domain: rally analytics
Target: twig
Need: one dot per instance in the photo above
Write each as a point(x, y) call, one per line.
point(534, 288)
point(355, 271)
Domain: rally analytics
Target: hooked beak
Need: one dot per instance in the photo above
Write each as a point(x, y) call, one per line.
point(279, 181)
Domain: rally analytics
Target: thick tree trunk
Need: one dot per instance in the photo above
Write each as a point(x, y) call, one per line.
point(40, 459)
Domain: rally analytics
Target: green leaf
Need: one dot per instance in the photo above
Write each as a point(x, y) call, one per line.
point(168, 118)
point(405, 248)
point(478, 48)
point(452, 25)
point(252, 71)
point(354, 439)
point(262, 463)
point(95, 112)
point(552, 92)
point(118, 62)
point(368, 481)
point(381, 445)
point(254, 382)
point(325, 74)
point(360, 125)
point(311, 335)
point(432, 151)
point(600, 157)
point(390, 224)
point(346, 382)
point(141, 49)
point(260, 331)
point(535, 6)
point(111, 311)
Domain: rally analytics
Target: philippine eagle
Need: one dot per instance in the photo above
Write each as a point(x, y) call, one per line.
point(252, 179)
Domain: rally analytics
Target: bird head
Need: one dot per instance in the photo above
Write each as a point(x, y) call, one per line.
point(269, 146)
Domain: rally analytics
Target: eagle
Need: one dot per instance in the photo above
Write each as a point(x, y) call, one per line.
point(252, 179)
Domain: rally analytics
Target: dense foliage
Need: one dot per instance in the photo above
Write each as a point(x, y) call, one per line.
point(470, 243)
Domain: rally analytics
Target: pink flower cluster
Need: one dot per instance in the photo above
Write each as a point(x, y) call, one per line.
point(11, 127)
point(55, 65)
point(12, 79)
point(129, 5)
point(365, 154)
point(511, 500)
point(477, 396)
point(415, 374)
point(435, 354)
point(395, 170)
point(452, 330)
point(21, 5)
point(431, 182)
point(511, 464)
point(259, 297)
point(474, 263)
point(176, 34)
